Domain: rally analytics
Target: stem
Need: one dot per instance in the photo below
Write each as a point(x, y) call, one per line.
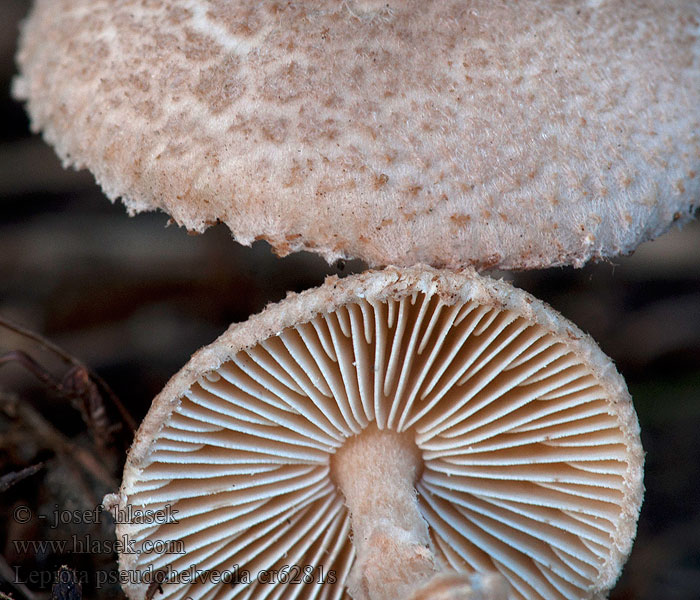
point(376, 471)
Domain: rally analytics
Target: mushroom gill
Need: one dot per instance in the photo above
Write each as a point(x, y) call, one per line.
point(522, 447)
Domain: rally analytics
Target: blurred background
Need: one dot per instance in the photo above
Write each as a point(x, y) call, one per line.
point(132, 299)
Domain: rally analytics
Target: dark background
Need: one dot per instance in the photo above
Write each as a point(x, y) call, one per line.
point(132, 299)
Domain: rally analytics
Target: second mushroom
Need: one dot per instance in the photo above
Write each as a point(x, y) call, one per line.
point(387, 436)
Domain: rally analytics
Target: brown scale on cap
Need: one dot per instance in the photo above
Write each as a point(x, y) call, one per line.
point(368, 115)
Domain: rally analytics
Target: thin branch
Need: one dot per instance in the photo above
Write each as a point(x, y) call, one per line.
point(33, 367)
point(10, 479)
point(72, 360)
point(75, 386)
point(57, 441)
point(8, 574)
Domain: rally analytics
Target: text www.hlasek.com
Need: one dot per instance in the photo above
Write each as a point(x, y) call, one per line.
point(89, 545)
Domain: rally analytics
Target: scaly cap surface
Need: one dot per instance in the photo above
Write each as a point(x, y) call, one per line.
point(452, 133)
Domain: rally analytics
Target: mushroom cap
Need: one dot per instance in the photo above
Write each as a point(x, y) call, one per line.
point(530, 449)
point(451, 133)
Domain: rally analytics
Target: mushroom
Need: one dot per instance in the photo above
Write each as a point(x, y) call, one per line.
point(389, 434)
point(492, 134)
point(478, 134)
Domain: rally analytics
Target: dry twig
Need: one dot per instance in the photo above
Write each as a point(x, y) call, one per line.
point(80, 381)
point(10, 479)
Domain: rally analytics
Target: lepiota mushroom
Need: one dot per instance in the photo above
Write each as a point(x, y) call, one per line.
point(389, 434)
point(451, 133)
point(510, 135)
